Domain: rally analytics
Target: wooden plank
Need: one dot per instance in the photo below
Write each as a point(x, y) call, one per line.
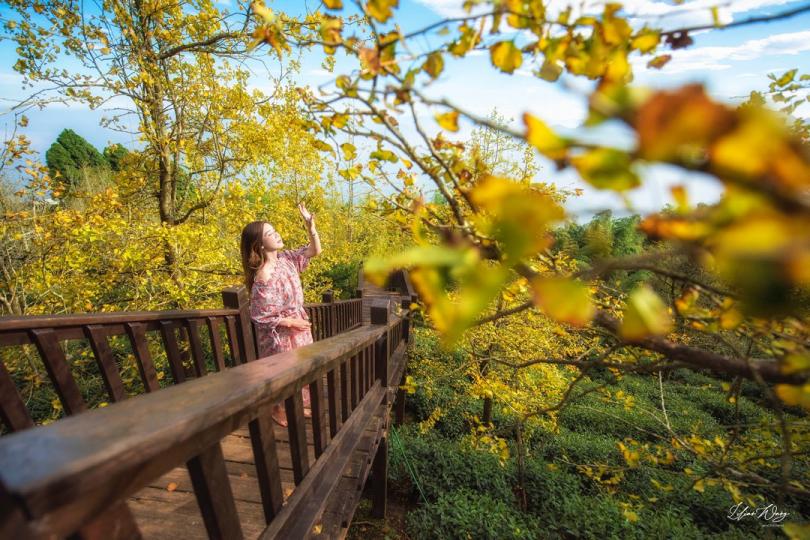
point(172, 351)
point(345, 367)
point(294, 405)
point(163, 515)
point(193, 327)
point(106, 363)
point(332, 388)
point(214, 496)
point(379, 471)
point(265, 454)
point(319, 420)
point(158, 520)
point(140, 347)
point(12, 409)
point(306, 505)
point(354, 379)
point(369, 370)
point(338, 514)
point(233, 341)
point(55, 363)
point(216, 343)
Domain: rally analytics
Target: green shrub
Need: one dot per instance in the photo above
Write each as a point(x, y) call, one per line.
point(577, 447)
point(468, 514)
point(442, 465)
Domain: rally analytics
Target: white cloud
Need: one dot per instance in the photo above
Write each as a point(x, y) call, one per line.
point(652, 12)
point(720, 58)
point(320, 73)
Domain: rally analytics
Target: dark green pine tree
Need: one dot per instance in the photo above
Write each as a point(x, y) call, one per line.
point(114, 154)
point(69, 155)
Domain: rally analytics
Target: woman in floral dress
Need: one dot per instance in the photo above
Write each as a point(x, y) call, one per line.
point(273, 278)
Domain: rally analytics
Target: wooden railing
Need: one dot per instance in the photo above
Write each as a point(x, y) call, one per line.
point(73, 476)
point(188, 354)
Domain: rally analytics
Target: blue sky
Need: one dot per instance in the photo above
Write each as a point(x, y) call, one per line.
point(730, 63)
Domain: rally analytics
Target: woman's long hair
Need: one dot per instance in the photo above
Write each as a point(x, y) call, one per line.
point(252, 251)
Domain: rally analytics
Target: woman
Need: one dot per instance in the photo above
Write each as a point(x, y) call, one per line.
point(273, 278)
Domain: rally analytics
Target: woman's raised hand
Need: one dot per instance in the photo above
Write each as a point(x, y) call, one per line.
point(308, 217)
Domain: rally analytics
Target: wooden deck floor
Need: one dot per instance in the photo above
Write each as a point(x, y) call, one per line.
point(167, 508)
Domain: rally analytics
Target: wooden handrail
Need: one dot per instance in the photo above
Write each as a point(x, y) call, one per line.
point(15, 330)
point(48, 331)
point(64, 475)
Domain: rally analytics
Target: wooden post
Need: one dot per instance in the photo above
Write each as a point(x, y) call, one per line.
point(399, 401)
point(212, 487)
point(268, 475)
point(379, 315)
point(379, 471)
point(406, 322)
point(329, 298)
point(237, 298)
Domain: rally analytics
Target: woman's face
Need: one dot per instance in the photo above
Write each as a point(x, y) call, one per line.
point(271, 240)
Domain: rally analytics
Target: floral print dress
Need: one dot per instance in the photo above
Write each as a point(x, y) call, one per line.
point(281, 296)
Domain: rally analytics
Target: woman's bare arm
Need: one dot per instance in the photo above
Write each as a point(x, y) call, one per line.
point(314, 241)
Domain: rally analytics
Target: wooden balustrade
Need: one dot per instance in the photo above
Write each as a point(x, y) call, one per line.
point(193, 342)
point(74, 476)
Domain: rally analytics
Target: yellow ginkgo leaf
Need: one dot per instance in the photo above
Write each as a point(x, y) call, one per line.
point(795, 363)
point(794, 395)
point(434, 65)
point(659, 61)
point(448, 120)
point(505, 56)
point(565, 300)
point(381, 10)
point(606, 168)
point(539, 135)
point(645, 315)
point(349, 151)
point(333, 4)
point(646, 40)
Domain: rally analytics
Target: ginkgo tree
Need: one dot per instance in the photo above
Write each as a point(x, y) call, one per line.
point(174, 75)
point(753, 243)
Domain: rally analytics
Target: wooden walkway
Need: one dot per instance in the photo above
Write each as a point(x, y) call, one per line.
point(183, 462)
point(168, 508)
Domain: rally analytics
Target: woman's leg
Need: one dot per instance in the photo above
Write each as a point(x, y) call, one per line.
point(307, 402)
point(279, 415)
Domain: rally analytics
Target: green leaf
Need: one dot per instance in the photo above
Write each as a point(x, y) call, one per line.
point(505, 56)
